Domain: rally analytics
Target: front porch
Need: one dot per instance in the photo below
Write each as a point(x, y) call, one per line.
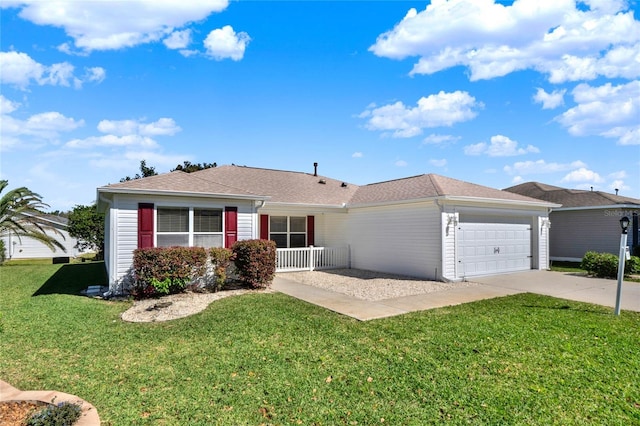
point(312, 258)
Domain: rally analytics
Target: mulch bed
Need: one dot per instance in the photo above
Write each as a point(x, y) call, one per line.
point(16, 413)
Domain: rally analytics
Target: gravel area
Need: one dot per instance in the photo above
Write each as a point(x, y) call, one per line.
point(368, 285)
point(175, 306)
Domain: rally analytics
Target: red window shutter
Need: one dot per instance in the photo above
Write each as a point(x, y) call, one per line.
point(311, 231)
point(264, 226)
point(145, 225)
point(230, 226)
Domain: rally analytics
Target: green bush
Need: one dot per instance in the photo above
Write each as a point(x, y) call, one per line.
point(255, 261)
point(166, 270)
point(221, 259)
point(632, 266)
point(61, 414)
point(605, 265)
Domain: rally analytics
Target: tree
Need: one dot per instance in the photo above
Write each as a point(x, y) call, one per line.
point(21, 216)
point(186, 166)
point(144, 172)
point(87, 225)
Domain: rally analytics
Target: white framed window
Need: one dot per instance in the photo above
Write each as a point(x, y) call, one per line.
point(189, 227)
point(288, 231)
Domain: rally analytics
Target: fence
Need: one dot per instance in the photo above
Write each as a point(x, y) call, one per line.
point(311, 258)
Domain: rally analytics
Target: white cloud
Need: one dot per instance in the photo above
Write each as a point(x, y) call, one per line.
point(440, 139)
point(39, 128)
point(582, 175)
point(357, 155)
point(439, 110)
point(540, 167)
point(96, 74)
point(7, 106)
point(549, 100)
point(555, 37)
point(607, 110)
point(438, 163)
point(401, 163)
point(126, 133)
point(112, 141)
point(618, 175)
point(20, 70)
point(619, 185)
point(225, 43)
point(98, 25)
point(500, 146)
point(178, 39)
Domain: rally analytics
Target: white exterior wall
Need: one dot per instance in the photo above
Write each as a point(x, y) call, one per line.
point(400, 239)
point(537, 219)
point(333, 229)
point(123, 217)
point(28, 248)
point(449, 221)
point(542, 232)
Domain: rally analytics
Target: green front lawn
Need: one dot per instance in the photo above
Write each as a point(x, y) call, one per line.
point(270, 359)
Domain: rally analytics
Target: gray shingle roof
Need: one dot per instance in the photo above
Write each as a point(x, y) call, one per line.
point(428, 186)
point(179, 182)
point(570, 197)
point(305, 188)
point(282, 186)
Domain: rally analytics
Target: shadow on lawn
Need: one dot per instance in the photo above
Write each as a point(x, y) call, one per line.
point(72, 278)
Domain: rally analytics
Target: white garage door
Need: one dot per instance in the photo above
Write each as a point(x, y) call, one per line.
point(493, 248)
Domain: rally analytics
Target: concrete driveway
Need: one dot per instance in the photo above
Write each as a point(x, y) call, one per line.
point(568, 286)
point(555, 284)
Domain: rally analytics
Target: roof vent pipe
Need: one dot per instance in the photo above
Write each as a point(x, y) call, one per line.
point(315, 169)
point(616, 191)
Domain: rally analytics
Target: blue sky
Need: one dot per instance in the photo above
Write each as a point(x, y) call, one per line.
point(495, 93)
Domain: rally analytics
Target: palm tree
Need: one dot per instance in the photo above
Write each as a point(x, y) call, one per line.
point(20, 215)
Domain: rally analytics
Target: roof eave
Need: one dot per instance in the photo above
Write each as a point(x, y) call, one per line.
point(485, 200)
point(131, 191)
point(305, 205)
point(611, 206)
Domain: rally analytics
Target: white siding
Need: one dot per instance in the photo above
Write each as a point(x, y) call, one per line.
point(333, 230)
point(28, 248)
point(402, 239)
point(124, 210)
point(543, 243)
point(449, 235)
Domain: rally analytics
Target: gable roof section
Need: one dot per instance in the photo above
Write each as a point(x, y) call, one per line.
point(178, 183)
point(289, 187)
point(431, 186)
point(571, 198)
point(283, 186)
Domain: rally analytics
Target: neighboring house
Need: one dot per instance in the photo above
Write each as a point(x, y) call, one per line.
point(426, 226)
point(28, 248)
point(587, 220)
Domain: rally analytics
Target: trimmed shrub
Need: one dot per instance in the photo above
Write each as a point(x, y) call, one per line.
point(221, 259)
point(255, 261)
point(632, 266)
point(605, 265)
point(3, 252)
point(166, 270)
point(61, 414)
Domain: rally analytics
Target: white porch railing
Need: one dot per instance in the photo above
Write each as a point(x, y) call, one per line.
point(311, 258)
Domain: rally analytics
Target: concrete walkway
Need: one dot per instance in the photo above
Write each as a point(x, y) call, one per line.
point(556, 284)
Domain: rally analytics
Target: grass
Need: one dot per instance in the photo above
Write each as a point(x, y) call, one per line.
point(270, 359)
